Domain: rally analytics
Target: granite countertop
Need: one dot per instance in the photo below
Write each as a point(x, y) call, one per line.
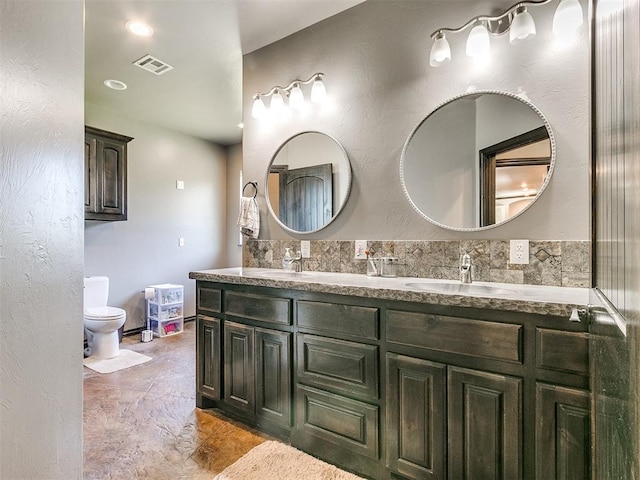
point(496, 296)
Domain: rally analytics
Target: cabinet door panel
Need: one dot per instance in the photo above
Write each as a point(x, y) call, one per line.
point(347, 423)
point(209, 353)
point(416, 418)
point(112, 162)
point(484, 425)
point(239, 389)
point(89, 173)
point(562, 433)
point(273, 376)
point(345, 366)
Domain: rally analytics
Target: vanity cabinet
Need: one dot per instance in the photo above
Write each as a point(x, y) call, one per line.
point(397, 389)
point(105, 175)
point(244, 356)
point(469, 396)
point(337, 402)
point(257, 373)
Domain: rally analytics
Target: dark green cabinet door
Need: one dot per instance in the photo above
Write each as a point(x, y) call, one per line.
point(484, 425)
point(416, 418)
point(105, 159)
point(273, 376)
point(562, 433)
point(208, 352)
point(239, 379)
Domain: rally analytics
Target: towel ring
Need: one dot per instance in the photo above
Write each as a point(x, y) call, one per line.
point(255, 187)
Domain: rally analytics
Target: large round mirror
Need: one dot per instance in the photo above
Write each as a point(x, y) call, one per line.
point(477, 161)
point(308, 182)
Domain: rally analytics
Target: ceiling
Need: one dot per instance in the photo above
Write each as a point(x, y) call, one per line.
point(203, 40)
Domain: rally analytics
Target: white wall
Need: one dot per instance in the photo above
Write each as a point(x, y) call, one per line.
point(144, 249)
point(375, 60)
point(234, 169)
point(41, 218)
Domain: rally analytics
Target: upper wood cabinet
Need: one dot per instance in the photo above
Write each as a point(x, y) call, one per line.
point(105, 175)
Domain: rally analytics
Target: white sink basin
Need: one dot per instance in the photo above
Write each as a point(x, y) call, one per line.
point(288, 274)
point(459, 288)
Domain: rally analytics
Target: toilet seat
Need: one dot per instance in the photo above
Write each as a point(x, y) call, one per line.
point(103, 313)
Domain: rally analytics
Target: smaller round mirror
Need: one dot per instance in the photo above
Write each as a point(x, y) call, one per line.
point(308, 182)
point(477, 161)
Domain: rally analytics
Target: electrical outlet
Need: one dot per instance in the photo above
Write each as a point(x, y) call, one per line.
point(519, 251)
point(305, 248)
point(361, 246)
point(181, 242)
point(180, 184)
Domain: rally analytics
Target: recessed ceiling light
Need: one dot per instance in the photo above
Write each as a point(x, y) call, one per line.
point(139, 28)
point(115, 84)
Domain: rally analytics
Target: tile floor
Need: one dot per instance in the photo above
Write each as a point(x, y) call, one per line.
point(142, 422)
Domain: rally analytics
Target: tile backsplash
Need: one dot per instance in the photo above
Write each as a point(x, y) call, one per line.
point(554, 263)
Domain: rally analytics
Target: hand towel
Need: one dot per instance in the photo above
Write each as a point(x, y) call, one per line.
point(249, 218)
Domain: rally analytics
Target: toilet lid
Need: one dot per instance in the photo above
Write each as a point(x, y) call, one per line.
point(104, 313)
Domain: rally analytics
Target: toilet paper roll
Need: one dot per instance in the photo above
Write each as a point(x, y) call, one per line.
point(149, 293)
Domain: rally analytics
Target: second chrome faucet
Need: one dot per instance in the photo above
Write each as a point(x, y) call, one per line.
point(465, 268)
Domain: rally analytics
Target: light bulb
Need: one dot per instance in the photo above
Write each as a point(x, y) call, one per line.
point(440, 51)
point(277, 102)
point(318, 90)
point(296, 97)
point(567, 19)
point(139, 28)
point(258, 109)
point(522, 26)
point(478, 44)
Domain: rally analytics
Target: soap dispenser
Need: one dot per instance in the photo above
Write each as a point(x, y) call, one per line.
point(287, 260)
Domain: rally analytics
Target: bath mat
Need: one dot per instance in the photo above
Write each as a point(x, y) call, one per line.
point(126, 359)
point(277, 461)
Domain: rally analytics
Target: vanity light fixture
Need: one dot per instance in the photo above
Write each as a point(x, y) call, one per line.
point(568, 18)
point(293, 92)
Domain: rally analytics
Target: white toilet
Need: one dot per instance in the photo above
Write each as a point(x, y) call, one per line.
point(101, 323)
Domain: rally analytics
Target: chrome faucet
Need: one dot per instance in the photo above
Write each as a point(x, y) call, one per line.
point(465, 268)
point(296, 262)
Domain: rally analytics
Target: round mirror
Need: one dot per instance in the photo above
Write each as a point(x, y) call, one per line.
point(477, 161)
point(308, 182)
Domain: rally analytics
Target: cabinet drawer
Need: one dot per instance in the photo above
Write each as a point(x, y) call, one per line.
point(336, 319)
point(344, 366)
point(258, 307)
point(463, 336)
point(563, 351)
point(208, 299)
point(349, 424)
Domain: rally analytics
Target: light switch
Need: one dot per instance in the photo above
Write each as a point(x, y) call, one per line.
point(305, 248)
point(181, 242)
point(180, 184)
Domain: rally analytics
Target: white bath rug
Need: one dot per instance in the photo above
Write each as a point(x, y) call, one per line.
point(277, 461)
point(126, 359)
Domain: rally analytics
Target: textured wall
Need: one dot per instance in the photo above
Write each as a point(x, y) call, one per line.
point(144, 249)
point(375, 58)
point(41, 218)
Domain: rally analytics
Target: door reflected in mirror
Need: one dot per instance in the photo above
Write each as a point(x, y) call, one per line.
point(308, 182)
point(477, 161)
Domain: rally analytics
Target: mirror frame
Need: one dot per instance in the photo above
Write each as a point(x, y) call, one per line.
point(450, 100)
point(348, 172)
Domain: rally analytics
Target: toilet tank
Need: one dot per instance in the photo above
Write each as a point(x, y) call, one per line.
point(96, 291)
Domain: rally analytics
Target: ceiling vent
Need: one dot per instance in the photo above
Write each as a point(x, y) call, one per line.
point(153, 65)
